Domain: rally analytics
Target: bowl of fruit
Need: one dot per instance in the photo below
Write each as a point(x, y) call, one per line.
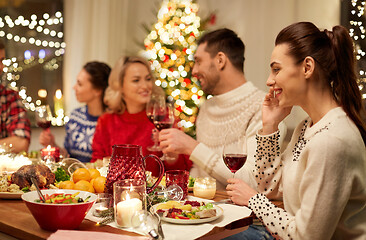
point(63, 209)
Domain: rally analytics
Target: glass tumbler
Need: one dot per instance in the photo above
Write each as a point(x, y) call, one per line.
point(178, 177)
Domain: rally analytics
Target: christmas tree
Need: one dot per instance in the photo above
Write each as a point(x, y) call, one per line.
point(170, 47)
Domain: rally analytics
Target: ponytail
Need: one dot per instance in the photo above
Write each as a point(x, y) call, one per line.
point(344, 84)
point(334, 54)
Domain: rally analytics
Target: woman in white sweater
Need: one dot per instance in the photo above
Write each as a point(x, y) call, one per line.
point(322, 173)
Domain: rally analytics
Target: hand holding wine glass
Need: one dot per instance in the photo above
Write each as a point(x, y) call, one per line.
point(155, 99)
point(163, 119)
point(43, 116)
point(234, 153)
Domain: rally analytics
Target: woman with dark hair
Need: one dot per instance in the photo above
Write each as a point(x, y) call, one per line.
point(322, 173)
point(131, 85)
point(90, 86)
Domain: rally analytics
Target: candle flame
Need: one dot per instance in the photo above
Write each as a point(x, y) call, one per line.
point(49, 147)
point(58, 94)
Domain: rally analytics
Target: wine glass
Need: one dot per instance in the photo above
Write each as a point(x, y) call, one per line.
point(163, 119)
point(150, 115)
point(234, 153)
point(147, 223)
point(43, 116)
point(173, 192)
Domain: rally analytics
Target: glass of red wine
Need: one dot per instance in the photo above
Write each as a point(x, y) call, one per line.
point(43, 116)
point(150, 115)
point(234, 153)
point(163, 119)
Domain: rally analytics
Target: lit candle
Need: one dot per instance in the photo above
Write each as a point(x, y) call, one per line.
point(98, 211)
point(204, 188)
point(58, 103)
point(125, 211)
point(51, 151)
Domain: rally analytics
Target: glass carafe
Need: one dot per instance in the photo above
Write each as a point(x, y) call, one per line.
point(127, 162)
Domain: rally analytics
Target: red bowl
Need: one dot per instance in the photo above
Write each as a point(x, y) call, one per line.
point(58, 216)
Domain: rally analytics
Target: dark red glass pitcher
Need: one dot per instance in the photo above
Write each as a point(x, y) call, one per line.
point(127, 162)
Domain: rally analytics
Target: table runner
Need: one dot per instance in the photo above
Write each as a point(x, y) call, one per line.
point(193, 231)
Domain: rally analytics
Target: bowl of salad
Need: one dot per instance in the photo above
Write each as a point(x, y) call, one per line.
point(63, 209)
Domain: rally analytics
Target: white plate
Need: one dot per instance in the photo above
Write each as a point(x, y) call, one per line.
point(219, 212)
point(10, 195)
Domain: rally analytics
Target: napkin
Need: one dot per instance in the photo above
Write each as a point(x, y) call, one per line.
point(193, 231)
point(88, 235)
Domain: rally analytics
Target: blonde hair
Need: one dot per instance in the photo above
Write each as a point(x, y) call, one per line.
point(113, 97)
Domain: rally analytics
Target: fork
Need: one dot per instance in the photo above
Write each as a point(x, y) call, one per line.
point(160, 229)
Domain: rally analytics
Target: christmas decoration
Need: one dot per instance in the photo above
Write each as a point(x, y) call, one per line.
point(46, 38)
point(170, 48)
point(358, 33)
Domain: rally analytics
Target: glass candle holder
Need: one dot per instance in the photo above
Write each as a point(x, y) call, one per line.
point(51, 151)
point(129, 198)
point(102, 204)
point(178, 177)
point(204, 187)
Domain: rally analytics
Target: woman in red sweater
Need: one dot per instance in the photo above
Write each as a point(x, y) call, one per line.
point(131, 84)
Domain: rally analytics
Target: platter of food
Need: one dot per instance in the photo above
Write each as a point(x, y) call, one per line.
point(187, 212)
point(11, 195)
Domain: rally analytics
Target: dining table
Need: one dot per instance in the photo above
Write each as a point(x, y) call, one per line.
point(17, 221)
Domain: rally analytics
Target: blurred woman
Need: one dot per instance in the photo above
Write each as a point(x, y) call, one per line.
point(131, 84)
point(322, 173)
point(90, 86)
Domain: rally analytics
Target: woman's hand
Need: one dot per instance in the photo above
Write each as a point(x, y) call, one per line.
point(46, 138)
point(272, 113)
point(239, 192)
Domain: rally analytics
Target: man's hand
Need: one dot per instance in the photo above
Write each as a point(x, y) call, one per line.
point(173, 140)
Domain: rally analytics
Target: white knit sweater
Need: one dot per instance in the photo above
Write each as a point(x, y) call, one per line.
point(322, 175)
point(236, 111)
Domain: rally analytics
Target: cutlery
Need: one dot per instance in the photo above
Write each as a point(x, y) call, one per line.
point(38, 190)
point(224, 201)
point(160, 229)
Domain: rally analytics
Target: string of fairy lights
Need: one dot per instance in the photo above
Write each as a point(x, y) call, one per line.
point(170, 47)
point(50, 55)
point(358, 32)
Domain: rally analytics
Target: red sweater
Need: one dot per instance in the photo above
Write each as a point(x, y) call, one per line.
point(129, 128)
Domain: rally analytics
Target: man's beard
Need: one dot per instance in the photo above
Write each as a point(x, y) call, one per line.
point(211, 80)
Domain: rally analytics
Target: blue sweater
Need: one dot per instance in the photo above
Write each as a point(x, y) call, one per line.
point(79, 134)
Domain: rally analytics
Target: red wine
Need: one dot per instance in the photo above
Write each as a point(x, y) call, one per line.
point(150, 117)
point(163, 125)
point(234, 161)
point(44, 124)
point(158, 118)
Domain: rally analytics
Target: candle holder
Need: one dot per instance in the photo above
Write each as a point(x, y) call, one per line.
point(51, 151)
point(102, 205)
point(205, 187)
point(129, 198)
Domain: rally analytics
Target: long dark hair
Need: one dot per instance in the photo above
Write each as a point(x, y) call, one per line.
point(99, 73)
point(333, 53)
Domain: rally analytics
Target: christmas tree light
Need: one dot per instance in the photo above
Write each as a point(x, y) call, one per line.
point(170, 47)
point(50, 57)
point(358, 33)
